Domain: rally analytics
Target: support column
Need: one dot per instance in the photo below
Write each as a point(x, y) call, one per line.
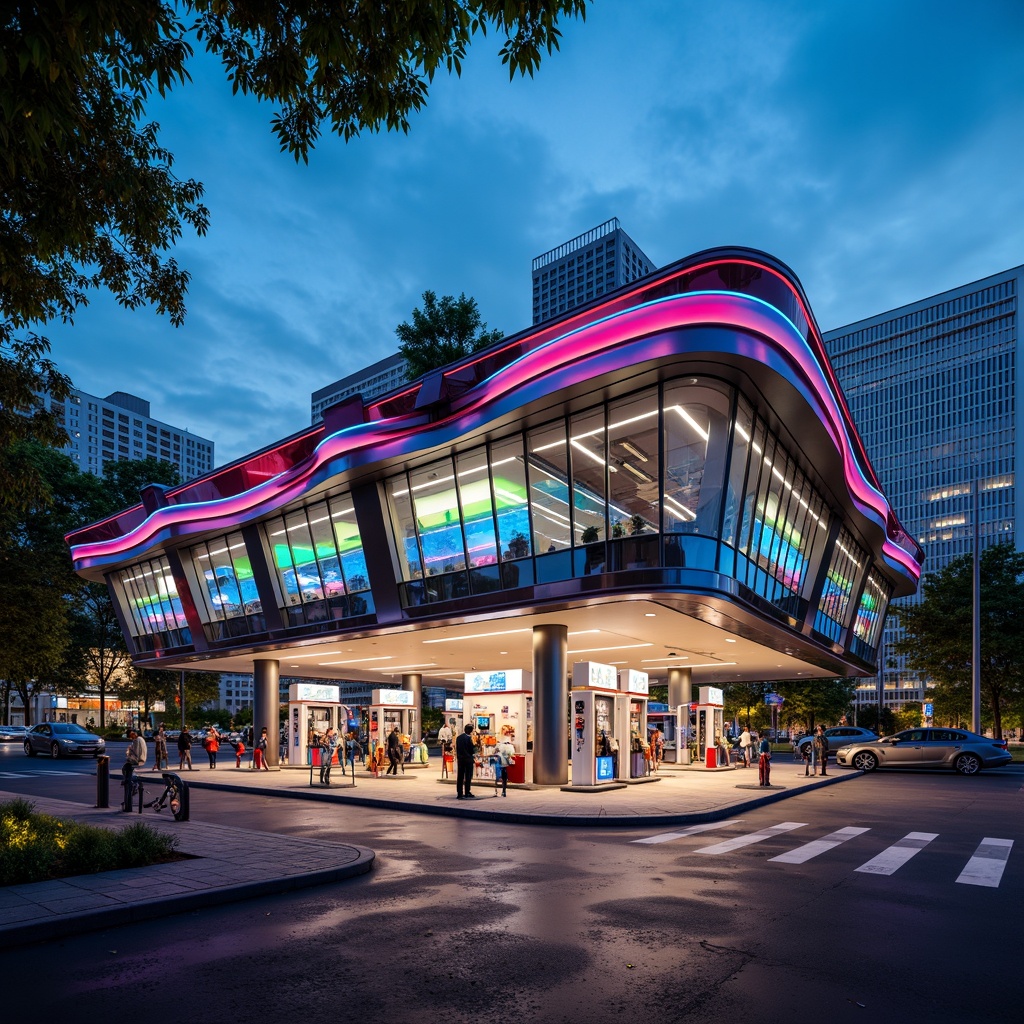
point(550, 707)
point(680, 687)
point(266, 704)
point(414, 681)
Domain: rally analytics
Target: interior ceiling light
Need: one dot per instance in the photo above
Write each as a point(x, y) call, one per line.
point(638, 473)
point(357, 661)
point(319, 654)
point(621, 647)
point(710, 664)
point(729, 640)
point(650, 615)
point(476, 636)
point(635, 450)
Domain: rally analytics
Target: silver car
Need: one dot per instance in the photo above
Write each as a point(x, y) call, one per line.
point(967, 752)
point(838, 736)
point(13, 732)
point(63, 739)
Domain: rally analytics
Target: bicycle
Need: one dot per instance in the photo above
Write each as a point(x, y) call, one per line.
point(174, 796)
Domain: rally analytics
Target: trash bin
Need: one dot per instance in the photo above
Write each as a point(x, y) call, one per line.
point(103, 781)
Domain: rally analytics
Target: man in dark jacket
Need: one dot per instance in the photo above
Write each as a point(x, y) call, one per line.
point(821, 749)
point(395, 752)
point(464, 763)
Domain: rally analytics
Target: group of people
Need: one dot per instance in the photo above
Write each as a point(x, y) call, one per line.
point(347, 748)
point(466, 758)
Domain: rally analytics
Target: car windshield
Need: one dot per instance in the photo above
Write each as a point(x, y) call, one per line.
point(70, 727)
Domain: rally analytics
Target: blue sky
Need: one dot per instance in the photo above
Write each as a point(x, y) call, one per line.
point(875, 147)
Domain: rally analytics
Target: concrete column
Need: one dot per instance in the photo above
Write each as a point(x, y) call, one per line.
point(414, 681)
point(550, 696)
point(266, 704)
point(680, 687)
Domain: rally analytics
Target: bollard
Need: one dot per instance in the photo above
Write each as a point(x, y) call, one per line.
point(126, 782)
point(102, 781)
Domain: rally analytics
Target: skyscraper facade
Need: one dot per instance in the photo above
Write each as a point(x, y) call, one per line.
point(376, 379)
point(932, 389)
point(584, 268)
point(102, 430)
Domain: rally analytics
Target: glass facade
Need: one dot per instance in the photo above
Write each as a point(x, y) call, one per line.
point(230, 604)
point(682, 475)
point(149, 598)
point(319, 569)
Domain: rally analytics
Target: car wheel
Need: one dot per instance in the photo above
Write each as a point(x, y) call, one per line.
point(55, 750)
point(865, 761)
point(28, 749)
point(968, 764)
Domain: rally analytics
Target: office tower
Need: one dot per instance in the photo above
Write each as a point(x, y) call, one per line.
point(102, 430)
point(584, 268)
point(932, 388)
point(375, 379)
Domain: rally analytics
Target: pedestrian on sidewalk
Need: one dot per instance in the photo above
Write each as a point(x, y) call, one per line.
point(805, 754)
point(260, 751)
point(352, 751)
point(464, 763)
point(212, 745)
point(160, 748)
point(506, 755)
point(239, 752)
point(134, 758)
point(184, 749)
point(328, 745)
point(821, 749)
point(657, 747)
point(764, 761)
point(745, 746)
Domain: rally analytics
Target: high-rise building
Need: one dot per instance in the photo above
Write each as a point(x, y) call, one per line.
point(932, 389)
point(373, 380)
point(102, 430)
point(584, 268)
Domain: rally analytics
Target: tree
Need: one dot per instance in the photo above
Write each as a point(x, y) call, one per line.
point(89, 196)
point(937, 638)
point(442, 332)
point(806, 701)
point(746, 702)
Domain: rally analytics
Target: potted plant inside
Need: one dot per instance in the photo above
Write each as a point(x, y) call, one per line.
point(595, 550)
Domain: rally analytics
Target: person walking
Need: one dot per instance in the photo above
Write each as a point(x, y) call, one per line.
point(134, 758)
point(328, 745)
point(239, 752)
point(464, 763)
point(764, 761)
point(657, 747)
point(160, 748)
point(506, 755)
point(184, 749)
point(394, 751)
point(745, 746)
point(259, 753)
point(212, 744)
point(352, 751)
point(821, 749)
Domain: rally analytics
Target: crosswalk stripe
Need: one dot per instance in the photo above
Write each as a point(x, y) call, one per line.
point(987, 864)
point(889, 861)
point(751, 837)
point(804, 853)
point(692, 830)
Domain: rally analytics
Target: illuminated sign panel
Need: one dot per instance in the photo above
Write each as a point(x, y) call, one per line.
point(402, 698)
point(453, 704)
point(308, 693)
point(711, 695)
point(594, 675)
point(510, 680)
point(632, 681)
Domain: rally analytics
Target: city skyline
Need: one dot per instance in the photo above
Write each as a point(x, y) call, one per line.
point(873, 150)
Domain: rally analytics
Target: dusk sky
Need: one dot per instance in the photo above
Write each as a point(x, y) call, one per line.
point(877, 148)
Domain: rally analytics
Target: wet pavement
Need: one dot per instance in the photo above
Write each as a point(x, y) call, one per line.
point(219, 870)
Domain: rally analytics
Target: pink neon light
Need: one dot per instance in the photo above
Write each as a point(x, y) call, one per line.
point(568, 354)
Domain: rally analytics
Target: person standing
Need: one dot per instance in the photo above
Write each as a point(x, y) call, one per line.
point(160, 748)
point(352, 750)
point(184, 749)
point(764, 761)
point(745, 746)
point(506, 755)
point(444, 735)
point(821, 749)
point(327, 747)
point(657, 747)
point(260, 751)
point(464, 763)
point(212, 745)
point(134, 758)
point(239, 752)
point(394, 751)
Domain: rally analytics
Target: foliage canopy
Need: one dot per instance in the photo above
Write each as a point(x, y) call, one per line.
point(441, 332)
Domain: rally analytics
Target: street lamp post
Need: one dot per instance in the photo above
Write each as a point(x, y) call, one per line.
point(976, 614)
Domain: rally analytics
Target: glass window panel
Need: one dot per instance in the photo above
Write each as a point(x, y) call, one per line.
point(589, 466)
point(149, 598)
point(511, 498)
point(435, 507)
point(410, 560)
point(307, 572)
point(324, 548)
point(349, 544)
point(874, 601)
point(696, 443)
point(549, 490)
point(742, 433)
point(845, 571)
point(281, 554)
point(475, 501)
point(635, 458)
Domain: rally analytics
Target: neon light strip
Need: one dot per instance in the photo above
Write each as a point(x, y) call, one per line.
point(646, 332)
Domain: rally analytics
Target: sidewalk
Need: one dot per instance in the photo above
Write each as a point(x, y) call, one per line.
point(217, 873)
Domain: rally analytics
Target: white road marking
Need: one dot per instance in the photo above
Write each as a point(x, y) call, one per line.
point(804, 853)
point(751, 837)
point(987, 864)
point(889, 861)
point(690, 830)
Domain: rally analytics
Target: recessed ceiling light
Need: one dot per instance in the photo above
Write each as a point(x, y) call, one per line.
point(650, 615)
point(729, 640)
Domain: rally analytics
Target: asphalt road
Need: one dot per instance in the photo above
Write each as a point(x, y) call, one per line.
point(469, 921)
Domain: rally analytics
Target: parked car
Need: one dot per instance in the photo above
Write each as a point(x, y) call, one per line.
point(13, 732)
point(839, 736)
point(964, 751)
point(63, 739)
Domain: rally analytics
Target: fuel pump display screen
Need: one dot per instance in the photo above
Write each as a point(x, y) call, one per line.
point(483, 722)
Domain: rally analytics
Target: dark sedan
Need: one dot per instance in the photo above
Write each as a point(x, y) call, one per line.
point(63, 739)
point(964, 751)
